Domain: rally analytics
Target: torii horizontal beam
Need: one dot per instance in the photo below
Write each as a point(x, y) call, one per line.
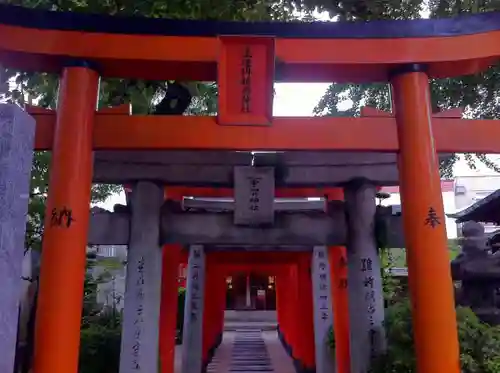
point(377, 133)
point(297, 230)
point(295, 169)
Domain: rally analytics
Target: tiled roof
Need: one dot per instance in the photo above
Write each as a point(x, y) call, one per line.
point(486, 210)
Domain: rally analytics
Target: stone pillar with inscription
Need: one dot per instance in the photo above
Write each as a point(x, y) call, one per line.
point(209, 334)
point(192, 340)
point(323, 318)
point(366, 303)
point(140, 335)
point(17, 132)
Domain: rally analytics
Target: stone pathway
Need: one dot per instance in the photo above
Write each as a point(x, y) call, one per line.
point(222, 358)
point(247, 351)
point(280, 360)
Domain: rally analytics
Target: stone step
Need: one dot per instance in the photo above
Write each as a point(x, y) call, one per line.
point(251, 368)
point(236, 327)
point(249, 353)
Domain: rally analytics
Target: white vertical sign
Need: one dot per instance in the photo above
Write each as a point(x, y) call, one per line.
point(323, 316)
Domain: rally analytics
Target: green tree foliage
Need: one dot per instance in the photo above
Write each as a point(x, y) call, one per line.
point(367, 10)
point(181, 302)
point(100, 347)
point(477, 94)
point(479, 342)
point(101, 330)
point(394, 288)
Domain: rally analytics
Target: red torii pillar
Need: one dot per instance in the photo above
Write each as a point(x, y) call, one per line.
point(213, 310)
point(58, 318)
point(293, 321)
point(305, 358)
point(169, 307)
point(340, 299)
point(431, 286)
point(220, 291)
point(280, 309)
point(286, 293)
point(209, 310)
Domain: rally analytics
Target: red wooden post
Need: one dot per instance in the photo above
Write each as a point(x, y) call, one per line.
point(168, 308)
point(304, 316)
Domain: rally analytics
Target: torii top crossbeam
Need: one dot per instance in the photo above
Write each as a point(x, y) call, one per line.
point(159, 49)
point(189, 50)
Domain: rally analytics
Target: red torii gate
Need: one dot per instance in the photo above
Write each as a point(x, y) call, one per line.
point(405, 53)
point(277, 264)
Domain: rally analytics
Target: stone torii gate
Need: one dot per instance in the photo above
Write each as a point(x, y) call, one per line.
point(82, 48)
point(209, 226)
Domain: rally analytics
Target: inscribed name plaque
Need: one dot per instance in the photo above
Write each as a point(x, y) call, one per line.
point(253, 195)
point(192, 353)
point(366, 304)
point(140, 335)
point(323, 318)
point(245, 79)
point(374, 301)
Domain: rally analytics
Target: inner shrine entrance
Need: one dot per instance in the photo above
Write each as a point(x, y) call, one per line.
point(250, 291)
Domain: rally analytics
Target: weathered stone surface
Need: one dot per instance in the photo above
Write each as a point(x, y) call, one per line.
point(322, 302)
point(140, 336)
point(297, 228)
point(366, 304)
point(216, 168)
point(479, 272)
point(192, 350)
point(487, 268)
point(475, 261)
point(108, 228)
point(212, 228)
point(17, 130)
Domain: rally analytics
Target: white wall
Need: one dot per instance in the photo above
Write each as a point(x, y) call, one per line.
point(449, 207)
